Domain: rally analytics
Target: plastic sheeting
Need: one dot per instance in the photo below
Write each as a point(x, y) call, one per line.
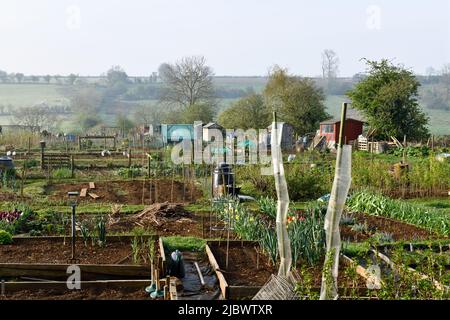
point(284, 244)
point(192, 287)
point(339, 192)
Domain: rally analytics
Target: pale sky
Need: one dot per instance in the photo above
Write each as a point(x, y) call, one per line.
point(238, 37)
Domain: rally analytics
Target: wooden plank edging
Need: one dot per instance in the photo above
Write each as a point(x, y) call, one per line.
point(224, 288)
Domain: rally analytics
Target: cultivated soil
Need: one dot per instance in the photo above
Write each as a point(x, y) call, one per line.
point(130, 192)
point(56, 252)
point(400, 231)
point(8, 196)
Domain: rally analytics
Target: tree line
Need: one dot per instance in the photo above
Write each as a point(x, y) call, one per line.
point(387, 94)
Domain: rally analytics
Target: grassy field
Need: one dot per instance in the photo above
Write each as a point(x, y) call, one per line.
point(19, 95)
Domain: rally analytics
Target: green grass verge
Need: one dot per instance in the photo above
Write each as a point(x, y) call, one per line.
point(191, 244)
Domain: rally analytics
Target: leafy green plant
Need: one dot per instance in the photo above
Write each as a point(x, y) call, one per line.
point(268, 206)
point(306, 231)
point(101, 231)
point(85, 233)
point(383, 237)
point(304, 288)
point(5, 237)
point(30, 163)
point(130, 172)
point(62, 173)
point(360, 227)
point(347, 220)
point(136, 250)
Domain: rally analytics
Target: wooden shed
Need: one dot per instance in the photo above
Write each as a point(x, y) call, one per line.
point(286, 137)
point(330, 130)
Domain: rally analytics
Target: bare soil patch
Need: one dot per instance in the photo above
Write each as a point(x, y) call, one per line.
point(130, 192)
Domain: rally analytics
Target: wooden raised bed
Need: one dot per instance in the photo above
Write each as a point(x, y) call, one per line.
point(229, 291)
point(89, 271)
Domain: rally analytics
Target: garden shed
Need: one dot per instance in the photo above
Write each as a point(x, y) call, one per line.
point(330, 130)
point(172, 133)
point(287, 135)
point(207, 130)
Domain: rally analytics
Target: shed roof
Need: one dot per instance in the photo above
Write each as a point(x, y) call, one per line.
point(333, 121)
point(212, 125)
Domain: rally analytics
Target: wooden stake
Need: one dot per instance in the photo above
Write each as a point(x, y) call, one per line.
point(171, 188)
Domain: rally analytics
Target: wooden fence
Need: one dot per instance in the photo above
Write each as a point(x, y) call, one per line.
point(56, 161)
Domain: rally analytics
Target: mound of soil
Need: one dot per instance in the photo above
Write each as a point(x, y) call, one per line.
point(400, 231)
point(164, 218)
point(131, 192)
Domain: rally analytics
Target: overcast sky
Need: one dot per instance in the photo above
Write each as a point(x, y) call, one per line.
point(238, 37)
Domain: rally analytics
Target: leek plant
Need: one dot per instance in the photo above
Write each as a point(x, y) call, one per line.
point(379, 205)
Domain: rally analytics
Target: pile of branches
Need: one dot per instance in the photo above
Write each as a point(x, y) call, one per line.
point(159, 214)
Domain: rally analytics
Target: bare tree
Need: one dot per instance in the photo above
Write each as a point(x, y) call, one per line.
point(187, 82)
point(330, 64)
point(35, 118)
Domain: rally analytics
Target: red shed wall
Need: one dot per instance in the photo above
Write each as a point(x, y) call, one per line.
point(352, 130)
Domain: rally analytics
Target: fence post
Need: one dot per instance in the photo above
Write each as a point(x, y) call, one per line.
point(149, 166)
point(42, 144)
point(72, 165)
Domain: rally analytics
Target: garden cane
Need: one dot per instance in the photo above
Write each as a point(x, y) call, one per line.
point(73, 204)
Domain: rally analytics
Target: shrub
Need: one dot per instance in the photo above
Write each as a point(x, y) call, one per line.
point(5, 237)
point(130, 172)
point(304, 182)
point(30, 163)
